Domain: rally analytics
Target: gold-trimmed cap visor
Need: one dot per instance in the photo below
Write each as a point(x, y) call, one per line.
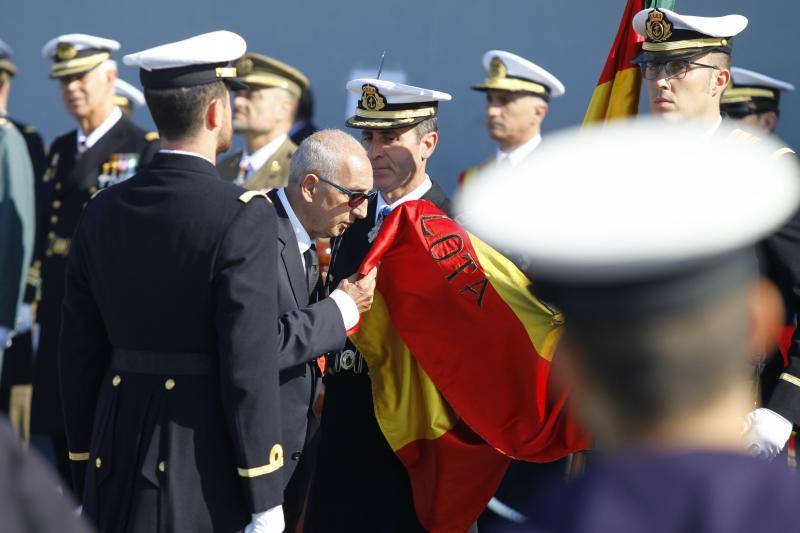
point(515, 85)
point(7, 66)
point(190, 76)
point(77, 62)
point(262, 71)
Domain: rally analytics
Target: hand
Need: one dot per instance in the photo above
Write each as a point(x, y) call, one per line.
point(766, 433)
point(267, 522)
point(24, 318)
point(360, 290)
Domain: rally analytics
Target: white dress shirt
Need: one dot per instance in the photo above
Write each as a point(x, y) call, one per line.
point(347, 307)
point(416, 194)
point(713, 129)
point(87, 141)
point(518, 154)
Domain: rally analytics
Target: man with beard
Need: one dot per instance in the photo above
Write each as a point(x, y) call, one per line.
point(168, 373)
point(518, 94)
point(359, 483)
point(106, 148)
point(264, 114)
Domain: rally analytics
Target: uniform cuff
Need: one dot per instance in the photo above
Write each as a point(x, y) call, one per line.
point(347, 307)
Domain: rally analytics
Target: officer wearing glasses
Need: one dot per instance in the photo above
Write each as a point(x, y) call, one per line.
point(328, 187)
point(685, 62)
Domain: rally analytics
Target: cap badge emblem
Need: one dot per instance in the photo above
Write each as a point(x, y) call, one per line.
point(245, 67)
point(497, 68)
point(65, 51)
point(658, 27)
point(371, 98)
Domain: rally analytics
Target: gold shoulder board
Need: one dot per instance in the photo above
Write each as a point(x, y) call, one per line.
point(95, 193)
point(151, 136)
point(249, 195)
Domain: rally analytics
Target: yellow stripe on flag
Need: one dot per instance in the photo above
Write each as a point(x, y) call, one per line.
point(618, 98)
point(400, 387)
point(511, 285)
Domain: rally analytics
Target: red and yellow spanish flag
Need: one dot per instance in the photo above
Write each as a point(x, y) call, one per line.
point(620, 83)
point(459, 356)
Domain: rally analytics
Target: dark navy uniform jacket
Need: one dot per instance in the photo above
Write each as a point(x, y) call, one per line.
point(69, 182)
point(700, 492)
point(359, 483)
point(168, 353)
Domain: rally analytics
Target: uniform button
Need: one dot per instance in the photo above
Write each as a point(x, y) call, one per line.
point(49, 253)
point(98, 463)
point(162, 466)
point(51, 235)
point(92, 189)
point(56, 204)
point(169, 384)
point(116, 381)
point(53, 219)
point(58, 186)
point(295, 456)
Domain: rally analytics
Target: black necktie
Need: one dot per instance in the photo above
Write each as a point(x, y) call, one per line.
point(312, 268)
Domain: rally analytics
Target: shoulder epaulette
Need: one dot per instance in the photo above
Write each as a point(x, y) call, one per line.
point(95, 193)
point(29, 129)
point(151, 136)
point(783, 151)
point(249, 195)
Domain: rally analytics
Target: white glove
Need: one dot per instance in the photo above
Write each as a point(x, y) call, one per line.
point(24, 318)
point(267, 522)
point(4, 338)
point(766, 433)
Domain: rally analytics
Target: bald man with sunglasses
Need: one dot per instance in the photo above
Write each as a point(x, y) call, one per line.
point(330, 183)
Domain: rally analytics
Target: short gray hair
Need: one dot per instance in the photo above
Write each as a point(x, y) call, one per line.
point(322, 154)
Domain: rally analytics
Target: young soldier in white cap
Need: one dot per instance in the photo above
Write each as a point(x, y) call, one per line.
point(754, 99)
point(127, 97)
point(168, 371)
point(359, 483)
point(518, 92)
point(106, 148)
point(264, 114)
point(686, 65)
point(663, 313)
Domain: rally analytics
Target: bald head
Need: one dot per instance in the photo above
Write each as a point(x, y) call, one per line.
point(328, 156)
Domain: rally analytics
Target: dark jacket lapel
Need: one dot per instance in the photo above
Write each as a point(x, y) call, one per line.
point(290, 254)
point(87, 166)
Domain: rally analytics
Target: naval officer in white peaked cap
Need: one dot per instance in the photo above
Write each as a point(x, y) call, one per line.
point(754, 99)
point(169, 377)
point(655, 273)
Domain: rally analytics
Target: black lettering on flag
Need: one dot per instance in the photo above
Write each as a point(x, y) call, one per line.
point(470, 263)
point(424, 220)
point(442, 241)
point(479, 291)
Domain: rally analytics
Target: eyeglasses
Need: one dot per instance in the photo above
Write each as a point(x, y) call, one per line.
point(355, 199)
point(676, 68)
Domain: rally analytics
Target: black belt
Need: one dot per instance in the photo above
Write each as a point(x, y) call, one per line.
point(162, 363)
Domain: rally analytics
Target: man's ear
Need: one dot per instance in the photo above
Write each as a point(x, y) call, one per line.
point(308, 186)
point(720, 81)
point(428, 144)
point(768, 120)
point(765, 310)
point(215, 114)
point(540, 111)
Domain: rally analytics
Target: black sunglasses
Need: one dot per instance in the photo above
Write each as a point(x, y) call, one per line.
point(355, 199)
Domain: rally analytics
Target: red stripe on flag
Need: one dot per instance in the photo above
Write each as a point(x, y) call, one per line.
point(627, 44)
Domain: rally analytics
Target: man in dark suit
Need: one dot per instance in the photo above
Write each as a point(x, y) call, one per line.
point(105, 149)
point(328, 190)
point(169, 375)
point(359, 484)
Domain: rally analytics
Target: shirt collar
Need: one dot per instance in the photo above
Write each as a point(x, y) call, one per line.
point(713, 129)
point(519, 153)
point(262, 155)
point(303, 238)
point(101, 130)
point(183, 152)
point(416, 194)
